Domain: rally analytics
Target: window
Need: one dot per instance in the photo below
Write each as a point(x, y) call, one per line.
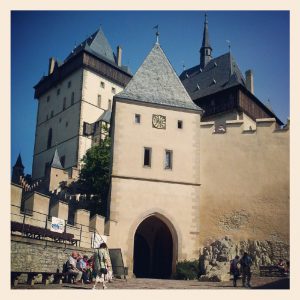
point(47, 117)
point(69, 84)
point(67, 124)
point(59, 120)
point(99, 101)
point(102, 84)
point(47, 165)
point(137, 118)
point(62, 160)
point(113, 90)
point(52, 113)
point(147, 157)
point(65, 103)
point(109, 104)
point(179, 124)
point(48, 98)
point(72, 98)
point(58, 92)
point(168, 159)
point(49, 140)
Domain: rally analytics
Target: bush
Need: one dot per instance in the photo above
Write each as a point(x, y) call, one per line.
point(187, 270)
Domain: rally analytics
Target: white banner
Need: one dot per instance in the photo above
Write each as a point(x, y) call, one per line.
point(98, 240)
point(57, 225)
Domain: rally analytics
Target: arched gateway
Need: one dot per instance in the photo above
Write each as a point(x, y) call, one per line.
point(155, 246)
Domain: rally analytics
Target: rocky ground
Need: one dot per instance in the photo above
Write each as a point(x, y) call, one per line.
point(140, 283)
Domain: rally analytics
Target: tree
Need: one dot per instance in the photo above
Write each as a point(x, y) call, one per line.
point(94, 176)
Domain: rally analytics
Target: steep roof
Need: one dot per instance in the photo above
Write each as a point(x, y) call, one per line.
point(98, 45)
point(156, 82)
point(19, 162)
point(205, 40)
point(55, 163)
point(105, 117)
point(219, 74)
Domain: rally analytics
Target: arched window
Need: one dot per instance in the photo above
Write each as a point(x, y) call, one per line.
point(49, 141)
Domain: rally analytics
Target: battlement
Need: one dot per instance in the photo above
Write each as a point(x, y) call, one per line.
point(263, 126)
point(36, 209)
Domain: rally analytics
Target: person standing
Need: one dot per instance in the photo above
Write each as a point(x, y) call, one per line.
point(234, 269)
point(99, 268)
point(246, 263)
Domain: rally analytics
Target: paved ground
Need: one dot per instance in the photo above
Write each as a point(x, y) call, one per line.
point(133, 283)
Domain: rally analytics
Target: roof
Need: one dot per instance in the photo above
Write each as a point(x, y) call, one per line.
point(205, 40)
point(98, 45)
point(105, 117)
point(19, 162)
point(219, 74)
point(156, 82)
point(55, 163)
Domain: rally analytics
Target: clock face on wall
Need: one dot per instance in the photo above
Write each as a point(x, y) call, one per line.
point(159, 121)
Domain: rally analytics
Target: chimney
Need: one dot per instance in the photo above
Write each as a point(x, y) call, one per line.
point(249, 81)
point(51, 65)
point(119, 56)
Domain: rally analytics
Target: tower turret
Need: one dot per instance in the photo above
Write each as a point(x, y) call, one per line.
point(206, 49)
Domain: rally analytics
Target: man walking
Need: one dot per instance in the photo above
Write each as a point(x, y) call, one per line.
point(246, 263)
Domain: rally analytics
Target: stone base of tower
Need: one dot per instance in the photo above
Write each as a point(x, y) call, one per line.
point(153, 222)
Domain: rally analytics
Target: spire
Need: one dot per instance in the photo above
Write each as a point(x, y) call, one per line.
point(206, 49)
point(157, 34)
point(19, 163)
point(55, 163)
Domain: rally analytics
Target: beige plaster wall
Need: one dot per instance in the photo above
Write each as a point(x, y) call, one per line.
point(130, 139)
point(138, 192)
point(244, 182)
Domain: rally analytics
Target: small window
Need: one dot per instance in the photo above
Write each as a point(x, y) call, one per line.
point(109, 104)
point(62, 160)
point(58, 92)
point(52, 113)
point(99, 101)
point(147, 157)
point(65, 103)
point(47, 165)
point(67, 124)
point(48, 98)
point(168, 159)
point(49, 140)
point(69, 84)
point(113, 90)
point(47, 117)
point(59, 120)
point(137, 118)
point(102, 84)
point(72, 98)
point(179, 124)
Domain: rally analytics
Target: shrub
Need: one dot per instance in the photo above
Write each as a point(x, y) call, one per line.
point(187, 270)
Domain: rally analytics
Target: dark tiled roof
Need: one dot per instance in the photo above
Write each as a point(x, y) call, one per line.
point(19, 162)
point(156, 82)
point(105, 117)
point(55, 163)
point(98, 45)
point(219, 74)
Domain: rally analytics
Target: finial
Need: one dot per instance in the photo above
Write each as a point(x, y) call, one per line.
point(229, 45)
point(157, 34)
point(183, 66)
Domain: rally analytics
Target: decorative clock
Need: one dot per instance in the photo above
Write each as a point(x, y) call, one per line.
point(159, 121)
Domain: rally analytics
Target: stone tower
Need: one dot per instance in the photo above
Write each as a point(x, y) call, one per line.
point(154, 201)
point(72, 99)
point(18, 170)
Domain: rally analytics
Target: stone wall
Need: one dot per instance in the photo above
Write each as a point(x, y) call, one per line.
point(43, 256)
point(214, 261)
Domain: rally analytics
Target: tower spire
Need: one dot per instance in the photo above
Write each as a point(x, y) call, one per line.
point(206, 49)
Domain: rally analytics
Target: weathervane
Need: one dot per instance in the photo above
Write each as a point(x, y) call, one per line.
point(229, 45)
point(157, 34)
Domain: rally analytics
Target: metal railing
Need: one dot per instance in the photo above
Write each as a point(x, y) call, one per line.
point(83, 235)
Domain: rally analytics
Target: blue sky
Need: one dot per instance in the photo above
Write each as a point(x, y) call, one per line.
point(259, 40)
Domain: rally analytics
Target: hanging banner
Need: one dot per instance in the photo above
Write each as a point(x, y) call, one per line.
point(98, 240)
point(57, 225)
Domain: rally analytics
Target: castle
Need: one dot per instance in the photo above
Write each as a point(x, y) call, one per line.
point(200, 157)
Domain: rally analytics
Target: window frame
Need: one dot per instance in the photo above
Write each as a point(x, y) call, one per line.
point(168, 165)
point(149, 158)
point(137, 117)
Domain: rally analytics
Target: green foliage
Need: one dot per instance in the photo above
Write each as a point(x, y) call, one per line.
point(187, 270)
point(94, 176)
